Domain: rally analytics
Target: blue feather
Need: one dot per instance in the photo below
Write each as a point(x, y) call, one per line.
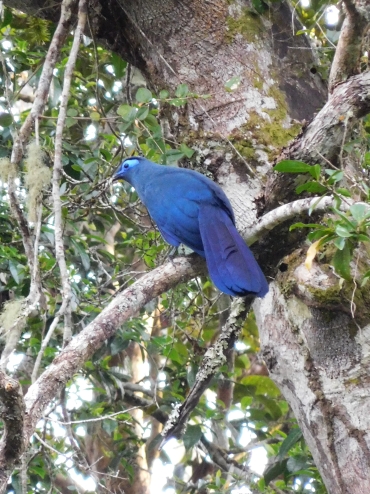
point(191, 209)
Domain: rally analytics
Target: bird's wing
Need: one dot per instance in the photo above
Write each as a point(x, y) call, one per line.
point(175, 214)
point(231, 264)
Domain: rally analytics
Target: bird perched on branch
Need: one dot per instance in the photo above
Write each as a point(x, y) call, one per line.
point(191, 209)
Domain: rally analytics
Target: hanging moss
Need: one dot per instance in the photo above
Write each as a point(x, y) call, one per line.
point(37, 178)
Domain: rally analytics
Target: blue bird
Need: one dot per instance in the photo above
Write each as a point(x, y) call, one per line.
point(191, 209)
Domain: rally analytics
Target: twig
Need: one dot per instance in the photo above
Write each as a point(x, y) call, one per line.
point(42, 92)
point(213, 359)
point(65, 309)
point(44, 344)
point(111, 416)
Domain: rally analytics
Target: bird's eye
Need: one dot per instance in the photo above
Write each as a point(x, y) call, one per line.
point(126, 165)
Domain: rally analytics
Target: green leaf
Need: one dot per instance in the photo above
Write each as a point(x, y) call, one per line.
point(270, 407)
point(293, 437)
point(119, 65)
point(72, 112)
point(263, 385)
point(178, 101)
point(297, 463)
point(95, 116)
point(302, 31)
point(292, 166)
point(7, 17)
point(339, 243)
point(182, 90)
point(274, 471)
point(362, 238)
point(192, 436)
point(315, 171)
point(365, 278)
point(360, 211)
point(143, 95)
point(5, 119)
point(142, 113)
point(345, 218)
point(343, 192)
point(341, 262)
point(343, 231)
point(70, 122)
point(232, 83)
point(163, 94)
point(152, 122)
point(38, 471)
point(313, 187)
point(188, 152)
point(83, 254)
point(259, 6)
point(14, 271)
point(335, 175)
point(127, 112)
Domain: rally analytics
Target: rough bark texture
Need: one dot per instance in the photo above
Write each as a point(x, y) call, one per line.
point(12, 415)
point(320, 360)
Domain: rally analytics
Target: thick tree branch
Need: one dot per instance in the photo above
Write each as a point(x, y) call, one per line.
point(82, 347)
point(323, 137)
point(12, 414)
point(286, 212)
point(346, 61)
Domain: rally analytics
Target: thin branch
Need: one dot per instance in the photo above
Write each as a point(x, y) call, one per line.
point(43, 347)
point(213, 359)
point(57, 174)
point(41, 96)
point(20, 140)
point(111, 416)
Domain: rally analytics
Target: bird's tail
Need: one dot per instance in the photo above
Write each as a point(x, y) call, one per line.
point(231, 265)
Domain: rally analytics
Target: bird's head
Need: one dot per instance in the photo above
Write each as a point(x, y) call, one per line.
point(124, 169)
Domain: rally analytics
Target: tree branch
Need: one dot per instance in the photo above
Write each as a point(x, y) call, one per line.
point(346, 61)
point(277, 216)
point(323, 137)
point(124, 306)
point(57, 173)
point(213, 359)
point(37, 109)
point(12, 414)
point(83, 345)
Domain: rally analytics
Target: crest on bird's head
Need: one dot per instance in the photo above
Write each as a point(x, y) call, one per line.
point(125, 166)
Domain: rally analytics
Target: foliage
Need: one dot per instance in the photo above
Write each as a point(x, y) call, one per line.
point(348, 226)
